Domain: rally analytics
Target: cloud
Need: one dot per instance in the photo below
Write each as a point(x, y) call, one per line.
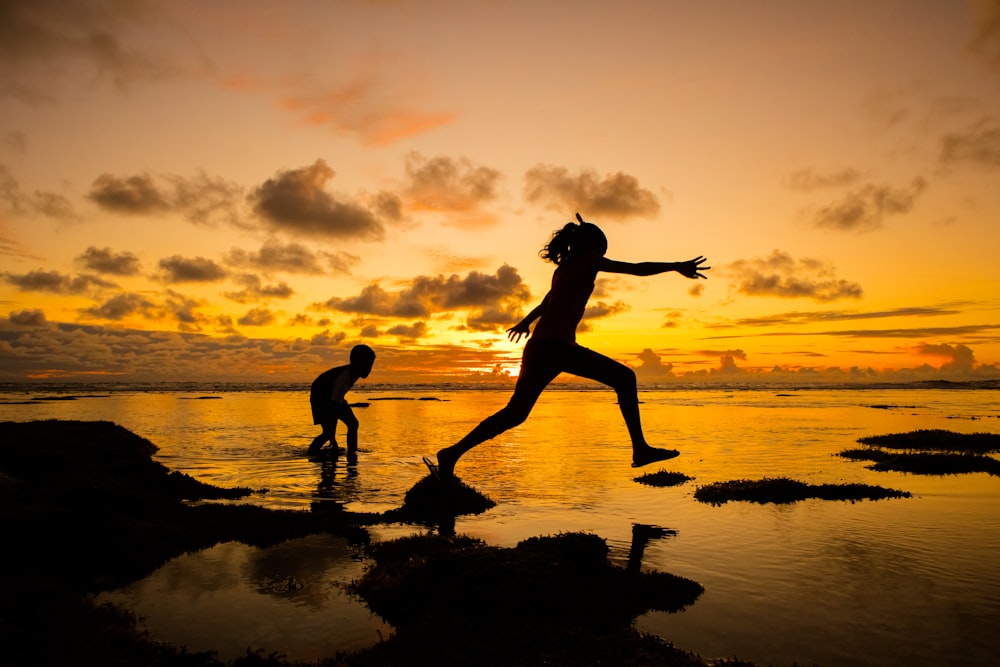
point(204, 199)
point(254, 290)
point(47, 40)
point(257, 317)
point(184, 310)
point(802, 317)
point(177, 269)
point(979, 146)
point(985, 41)
point(652, 367)
point(781, 275)
point(28, 318)
point(123, 305)
point(808, 179)
point(376, 114)
point(960, 357)
point(484, 294)
point(616, 196)
point(105, 260)
point(133, 195)
point(294, 200)
point(409, 332)
point(49, 204)
point(56, 283)
point(451, 186)
point(865, 208)
point(200, 199)
point(275, 256)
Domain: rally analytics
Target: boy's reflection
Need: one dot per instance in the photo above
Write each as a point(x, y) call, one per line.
point(338, 480)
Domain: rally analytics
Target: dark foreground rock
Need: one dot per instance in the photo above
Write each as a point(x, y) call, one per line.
point(85, 509)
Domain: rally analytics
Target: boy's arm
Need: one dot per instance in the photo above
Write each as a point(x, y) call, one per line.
point(692, 268)
point(523, 328)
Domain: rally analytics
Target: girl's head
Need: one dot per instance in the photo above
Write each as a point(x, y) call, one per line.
point(574, 238)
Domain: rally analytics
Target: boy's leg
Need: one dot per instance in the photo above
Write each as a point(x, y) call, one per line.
point(329, 433)
point(346, 415)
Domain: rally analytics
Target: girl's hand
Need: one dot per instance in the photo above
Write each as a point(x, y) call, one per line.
point(692, 268)
point(518, 330)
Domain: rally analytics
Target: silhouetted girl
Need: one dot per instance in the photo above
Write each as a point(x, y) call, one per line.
point(578, 252)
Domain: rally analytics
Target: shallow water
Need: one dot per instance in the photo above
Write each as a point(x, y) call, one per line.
point(910, 581)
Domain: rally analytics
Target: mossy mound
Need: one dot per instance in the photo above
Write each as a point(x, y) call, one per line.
point(433, 499)
point(663, 478)
point(937, 440)
point(549, 597)
point(929, 452)
point(781, 490)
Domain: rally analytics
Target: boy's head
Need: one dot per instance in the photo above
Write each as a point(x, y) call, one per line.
point(362, 360)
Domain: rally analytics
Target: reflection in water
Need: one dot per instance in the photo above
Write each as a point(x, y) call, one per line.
point(288, 598)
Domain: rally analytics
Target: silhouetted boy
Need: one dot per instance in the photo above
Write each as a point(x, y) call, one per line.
point(327, 398)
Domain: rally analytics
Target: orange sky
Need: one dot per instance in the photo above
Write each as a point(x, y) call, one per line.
point(242, 190)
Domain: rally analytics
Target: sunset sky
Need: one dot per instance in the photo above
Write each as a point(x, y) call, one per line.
point(242, 190)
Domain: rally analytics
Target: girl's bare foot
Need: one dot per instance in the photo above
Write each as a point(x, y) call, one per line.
point(446, 464)
point(642, 456)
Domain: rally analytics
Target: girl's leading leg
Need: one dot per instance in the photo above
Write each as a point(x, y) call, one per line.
point(536, 373)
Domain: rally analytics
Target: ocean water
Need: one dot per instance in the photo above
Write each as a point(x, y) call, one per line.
point(912, 581)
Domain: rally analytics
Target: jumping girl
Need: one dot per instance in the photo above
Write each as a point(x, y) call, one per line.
point(577, 250)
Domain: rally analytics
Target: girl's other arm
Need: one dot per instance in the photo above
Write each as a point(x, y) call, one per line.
point(523, 328)
point(692, 268)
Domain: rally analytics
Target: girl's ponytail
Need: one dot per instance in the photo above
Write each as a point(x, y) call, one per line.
point(558, 247)
point(573, 237)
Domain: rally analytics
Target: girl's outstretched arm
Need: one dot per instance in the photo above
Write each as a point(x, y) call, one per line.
point(692, 268)
point(523, 328)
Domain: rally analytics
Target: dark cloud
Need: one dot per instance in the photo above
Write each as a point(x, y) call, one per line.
point(295, 201)
point(979, 146)
point(326, 339)
point(204, 199)
point(781, 275)
point(185, 310)
point(810, 179)
point(28, 318)
point(616, 196)
point(123, 305)
point(801, 317)
point(254, 290)
point(409, 332)
point(275, 256)
point(56, 283)
point(200, 199)
point(46, 39)
point(106, 260)
point(44, 203)
point(985, 40)
point(899, 332)
point(257, 317)
point(177, 269)
point(652, 366)
point(865, 208)
point(451, 186)
point(485, 294)
point(960, 357)
point(134, 195)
